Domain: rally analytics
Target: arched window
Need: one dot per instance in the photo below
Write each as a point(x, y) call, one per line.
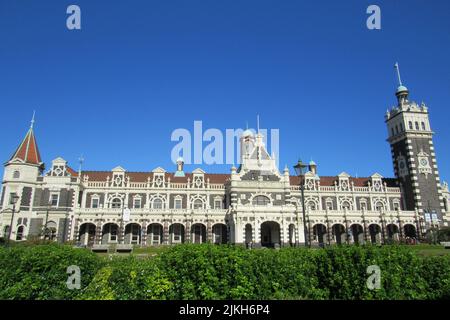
point(260, 201)
point(379, 206)
point(396, 129)
point(393, 133)
point(16, 174)
point(401, 127)
point(423, 126)
point(446, 204)
point(157, 204)
point(116, 203)
point(410, 125)
point(417, 125)
point(19, 235)
point(311, 205)
point(346, 205)
point(198, 204)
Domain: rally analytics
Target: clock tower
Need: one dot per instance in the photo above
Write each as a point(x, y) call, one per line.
point(413, 155)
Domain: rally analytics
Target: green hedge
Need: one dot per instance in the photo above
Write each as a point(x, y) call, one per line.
point(40, 272)
point(225, 272)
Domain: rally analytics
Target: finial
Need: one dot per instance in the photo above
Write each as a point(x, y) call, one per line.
point(80, 161)
point(398, 74)
point(32, 120)
point(257, 122)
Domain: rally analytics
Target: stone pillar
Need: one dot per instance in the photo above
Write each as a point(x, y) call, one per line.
point(187, 232)
point(144, 233)
point(209, 235)
point(98, 232)
point(76, 227)
point(166, 232)
point(121, 232)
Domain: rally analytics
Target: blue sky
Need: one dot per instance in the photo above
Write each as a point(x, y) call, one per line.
point(137, 70)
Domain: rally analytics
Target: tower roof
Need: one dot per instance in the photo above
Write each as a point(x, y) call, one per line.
point(28, 151)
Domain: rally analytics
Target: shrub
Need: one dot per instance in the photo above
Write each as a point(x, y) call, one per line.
point(224, 272)
point(39, 272)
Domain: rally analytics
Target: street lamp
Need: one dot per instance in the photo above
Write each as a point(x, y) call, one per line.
point(300, 169)
point(14, 199)
point(46, 221)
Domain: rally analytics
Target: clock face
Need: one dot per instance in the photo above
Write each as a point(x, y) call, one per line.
point(424, 162)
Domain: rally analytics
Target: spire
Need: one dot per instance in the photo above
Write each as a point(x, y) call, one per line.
point(257, 122)
point(80, 161)
point(398, 74)
point(402, 91)
point(28, 151)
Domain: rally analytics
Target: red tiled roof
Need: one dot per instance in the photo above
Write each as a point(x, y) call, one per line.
point(28, 150)
point(72, 172)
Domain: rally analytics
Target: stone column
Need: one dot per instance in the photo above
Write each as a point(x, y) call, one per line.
point(98, 232)
point(209, 235)
point(144, 233)
point(187, 232)
point(76, 227)
point(166, 232)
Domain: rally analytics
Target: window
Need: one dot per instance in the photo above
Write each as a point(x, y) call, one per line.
point(94, 203)
point(346, 205)
point(178, 203)
point(396, 206)
point(393, 133)
point(116, 203)
point(198, 204)
point(396, 129)
point(137, 203)
point(261, 201)
point(401, 127)
point(54, 199)
point(379, 206)
point(157, 204)
point(16, 174)
point(410, 125)
point(311, 206)
point(363, 205)
point(417, 125)
point(423, 126)
point(329, 205)
point(12, 197)
point(19, 235)
point(217, 204)
point(113, 232)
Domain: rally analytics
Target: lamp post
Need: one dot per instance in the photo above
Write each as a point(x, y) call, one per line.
point(46, 221)
point(14, 199)
point(300, 170)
